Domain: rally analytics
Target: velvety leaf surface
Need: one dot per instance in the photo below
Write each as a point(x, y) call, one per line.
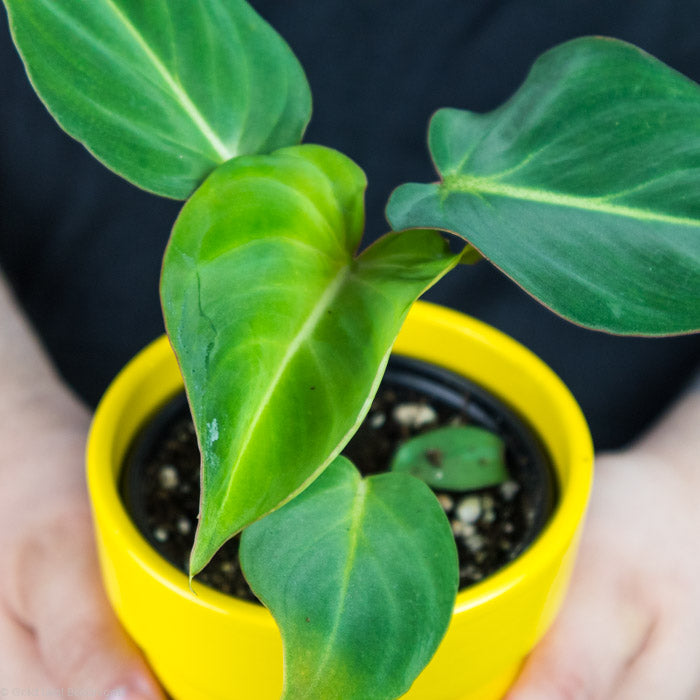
point(584, 187)
point(281, 333)
point(162, 91)
point(361, 576)
point(455, 458)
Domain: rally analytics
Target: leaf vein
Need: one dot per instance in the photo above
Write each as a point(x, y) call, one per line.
point(176, 88)
point(302, 335)
point(356, 515)
point(486, 186)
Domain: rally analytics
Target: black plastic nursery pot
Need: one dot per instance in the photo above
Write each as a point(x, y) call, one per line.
point(204, 644)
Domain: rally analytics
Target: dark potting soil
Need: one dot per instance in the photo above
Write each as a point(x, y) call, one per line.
point(160, 479)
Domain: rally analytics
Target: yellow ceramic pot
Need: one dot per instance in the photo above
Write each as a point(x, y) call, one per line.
point(204, 645)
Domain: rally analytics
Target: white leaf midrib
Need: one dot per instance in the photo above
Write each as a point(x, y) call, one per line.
point(176, 88)
point(354, 529)
point(489, 186)
point(304, 333)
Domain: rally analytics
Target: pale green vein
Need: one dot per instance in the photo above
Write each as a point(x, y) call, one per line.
point(180, 95)
point(131, 125)
point(356, 515)
point(305, 332)
point(353, 429)
point(308, 547)
point(509, 171)
point(663, 179)
point(275, 243)
point(484, 186)
point(307, 204)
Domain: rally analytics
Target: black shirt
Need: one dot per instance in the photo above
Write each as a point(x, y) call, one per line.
point(83, 248)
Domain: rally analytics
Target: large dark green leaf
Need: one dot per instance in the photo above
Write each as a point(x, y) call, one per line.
point(361, 576)
point(281, 334)
point(162, 91)
point(584, 187)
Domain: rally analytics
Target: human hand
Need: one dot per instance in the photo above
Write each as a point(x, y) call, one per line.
point(56, 628)
point(630, 625)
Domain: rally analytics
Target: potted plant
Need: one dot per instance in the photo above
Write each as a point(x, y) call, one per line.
point(273, 317)
point(204, 644)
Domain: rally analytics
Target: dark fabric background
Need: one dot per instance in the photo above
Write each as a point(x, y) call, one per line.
point(83, 247)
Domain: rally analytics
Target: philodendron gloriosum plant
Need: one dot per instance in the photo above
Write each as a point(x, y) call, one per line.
point(583, 188)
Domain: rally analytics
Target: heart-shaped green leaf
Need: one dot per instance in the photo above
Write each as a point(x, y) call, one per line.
point(281, 333)
point(361, 577)
point(162, 92)
point(454, 458)
point(584, 187)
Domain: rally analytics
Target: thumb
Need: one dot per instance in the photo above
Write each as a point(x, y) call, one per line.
point(79, 640)
point(596, 635)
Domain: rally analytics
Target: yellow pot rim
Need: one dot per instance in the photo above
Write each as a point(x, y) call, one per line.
point(553, 539)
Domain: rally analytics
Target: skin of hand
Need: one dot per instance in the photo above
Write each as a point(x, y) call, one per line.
point(57, 630)
point(630, 626)
point(629, 629)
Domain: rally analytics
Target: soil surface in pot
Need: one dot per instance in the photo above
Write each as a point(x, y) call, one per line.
point(160, 479)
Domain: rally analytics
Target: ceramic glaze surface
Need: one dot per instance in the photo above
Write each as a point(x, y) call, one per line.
point(204, 645)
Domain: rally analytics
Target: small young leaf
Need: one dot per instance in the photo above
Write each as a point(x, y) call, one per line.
point(162, 92)
point(454, 458)
point(361, 577)
point(281, 333)
point(584, 187)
